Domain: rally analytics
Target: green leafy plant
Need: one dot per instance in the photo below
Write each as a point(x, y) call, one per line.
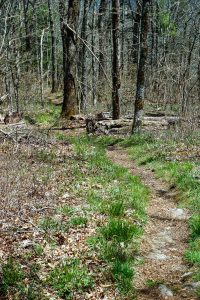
point(195, 225)
point(77, 221)
point(123, 274)
point(12, 276)
point(68, 278)
point(66, 210)
point(113, 250)
point(193, 257)
point(116, 209)
point(50, 224)
point(38, 249)
point(152, 283)
point(48, 116)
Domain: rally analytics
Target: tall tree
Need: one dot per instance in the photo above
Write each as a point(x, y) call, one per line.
point(139, 101)
point(69, 25)
point(136, 31)
point(116, 58)
point(26, 23)
point(83, 55)
point(101, 29)
point(53, 48)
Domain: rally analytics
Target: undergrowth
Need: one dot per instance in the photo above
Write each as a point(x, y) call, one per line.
point(48, 116)
point(122, 198)
point(69, 277)
point(13, 281)
point(113, 206)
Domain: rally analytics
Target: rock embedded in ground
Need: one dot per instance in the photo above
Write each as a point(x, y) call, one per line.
point(179, 214)
point(193, 285)
point(165, 291)
point(161, 192)
point(187, 275)
point(66, 195)
point(156, 255)
point(26, 244)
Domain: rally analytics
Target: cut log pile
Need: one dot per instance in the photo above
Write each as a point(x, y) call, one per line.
point(100, 125)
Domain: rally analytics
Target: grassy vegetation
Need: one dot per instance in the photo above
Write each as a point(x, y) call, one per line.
point(66, 210)
point(78, 221)
point(69, 277)
point(13, 281)
point(48, 115)
point(112, 191)
point(95, 198)
point(174, 160)
point(43, 116)
point(12, 276)
point(50, 224)
point(109, 199)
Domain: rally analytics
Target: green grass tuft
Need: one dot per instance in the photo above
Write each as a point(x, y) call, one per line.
point(195, 226)
point(49, 115)
point(116, 209)
point(68, 278)
point(79, 220)
point(66, 210)
point(123, 274)
point(12, 276)
point(119, 230)
point(50, 224)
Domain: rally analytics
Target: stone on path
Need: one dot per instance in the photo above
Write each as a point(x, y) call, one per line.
point(165, 291)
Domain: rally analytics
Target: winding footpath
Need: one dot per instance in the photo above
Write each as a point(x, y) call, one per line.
point(164, 241)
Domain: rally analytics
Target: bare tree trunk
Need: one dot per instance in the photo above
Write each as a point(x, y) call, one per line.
point(116, 59)
point(53, 49)
point(136, 32)
point(94, 67)
point(41, 69)
point(186, 75)
point(101, 29)
point(198, 78)
point(139, 101)
point(83, 56)
point(69, 24)
point(122, 37)
point(27, 38)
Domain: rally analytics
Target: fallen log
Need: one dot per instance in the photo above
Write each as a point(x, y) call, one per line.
point(124, 125)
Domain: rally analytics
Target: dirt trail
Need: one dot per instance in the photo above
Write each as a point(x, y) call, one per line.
point(164, 241)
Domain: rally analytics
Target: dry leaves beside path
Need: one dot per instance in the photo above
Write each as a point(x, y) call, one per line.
point(42, 223)
point(161, 273)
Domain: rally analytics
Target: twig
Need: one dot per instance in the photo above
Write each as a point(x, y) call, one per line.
point(8, 135)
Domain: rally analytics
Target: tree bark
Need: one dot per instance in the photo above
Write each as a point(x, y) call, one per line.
point(94, 65)
point(139, 101)
point(116, 59)
point(101, 29)
point(27, 38)
point(53, 49)
point(41, 69)
point(136, 32)
point(83, 56)
point(69, 24)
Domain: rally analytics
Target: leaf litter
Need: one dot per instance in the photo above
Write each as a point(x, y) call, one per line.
point(36, 181)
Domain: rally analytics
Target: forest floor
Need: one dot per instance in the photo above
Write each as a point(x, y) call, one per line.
point(73, 217)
